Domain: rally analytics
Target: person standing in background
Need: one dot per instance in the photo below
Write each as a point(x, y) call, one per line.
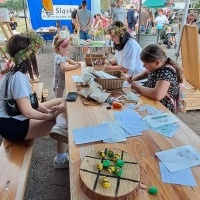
point(118, 13)
point(73, 17)
point(143, 17)
point(84, 21)
point(130, 18)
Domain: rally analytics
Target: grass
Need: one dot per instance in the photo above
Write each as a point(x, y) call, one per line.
point(20, 28)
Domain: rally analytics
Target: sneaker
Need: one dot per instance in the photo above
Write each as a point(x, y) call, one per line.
point(64, 163)
point(59, 133)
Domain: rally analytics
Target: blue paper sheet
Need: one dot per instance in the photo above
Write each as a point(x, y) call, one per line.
point(182, 177)
point(116, 130)
point(91, 134)
point(131, 122)
point(167, 130)
point(160, 120)
point(179, 158)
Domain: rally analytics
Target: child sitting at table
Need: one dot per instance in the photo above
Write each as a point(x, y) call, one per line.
point(61, 64)
point(163, 77)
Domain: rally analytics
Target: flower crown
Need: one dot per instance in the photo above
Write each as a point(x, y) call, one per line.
point(36, 42)
point(116, 30)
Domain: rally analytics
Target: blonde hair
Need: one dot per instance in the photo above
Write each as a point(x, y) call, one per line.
point(58, 43)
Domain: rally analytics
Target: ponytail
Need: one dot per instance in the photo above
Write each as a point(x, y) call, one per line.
point(178, 69)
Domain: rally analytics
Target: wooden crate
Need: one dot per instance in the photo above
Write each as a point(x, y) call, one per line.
point(191, 101)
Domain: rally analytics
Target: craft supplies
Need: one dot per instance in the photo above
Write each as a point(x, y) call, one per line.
point(119, 163)
point(117, 105)
point(153, 190)
point(106, 183)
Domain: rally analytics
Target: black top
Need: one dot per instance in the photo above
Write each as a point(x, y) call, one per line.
point(168, 74)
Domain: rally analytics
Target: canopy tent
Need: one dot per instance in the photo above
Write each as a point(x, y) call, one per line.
point(154, 3)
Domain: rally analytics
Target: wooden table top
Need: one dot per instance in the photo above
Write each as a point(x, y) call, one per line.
point(142, 147)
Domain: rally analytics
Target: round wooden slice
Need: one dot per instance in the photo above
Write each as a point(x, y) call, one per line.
point(121, 188)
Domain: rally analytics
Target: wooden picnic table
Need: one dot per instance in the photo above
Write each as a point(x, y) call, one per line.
point(143, 148)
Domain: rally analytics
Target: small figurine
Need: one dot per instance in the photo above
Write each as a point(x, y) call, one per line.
point(116, 157)
point(111, 168)
point(118, 171)
point(106, 183)
point(119, 163)
point(106, 163)
point(101, 153)
point(110, 153)
point(99, 166)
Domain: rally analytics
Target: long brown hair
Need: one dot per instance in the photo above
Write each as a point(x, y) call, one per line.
point(154, 52)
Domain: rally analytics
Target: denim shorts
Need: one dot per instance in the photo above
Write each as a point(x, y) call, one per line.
point(13, 129)
point(84, 35)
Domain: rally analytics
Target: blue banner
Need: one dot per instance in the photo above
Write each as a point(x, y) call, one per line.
point(45, 13)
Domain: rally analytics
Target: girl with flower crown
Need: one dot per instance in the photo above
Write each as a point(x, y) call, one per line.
point(61, 64)
point(164, 77)
point(127, 51)
point(29, 122)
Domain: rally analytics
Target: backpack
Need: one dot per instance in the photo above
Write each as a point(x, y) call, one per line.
point(177, 103)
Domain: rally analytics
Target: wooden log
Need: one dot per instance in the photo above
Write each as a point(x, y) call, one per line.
point(124, 187)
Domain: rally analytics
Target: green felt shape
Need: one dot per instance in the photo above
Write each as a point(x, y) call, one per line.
point(118, 171)
point(106, 163)
point(119, 163)
point(153, 190)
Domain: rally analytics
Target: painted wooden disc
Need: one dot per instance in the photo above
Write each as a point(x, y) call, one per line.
point(121, 188)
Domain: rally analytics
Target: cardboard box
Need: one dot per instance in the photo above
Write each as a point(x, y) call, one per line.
point(4, 15)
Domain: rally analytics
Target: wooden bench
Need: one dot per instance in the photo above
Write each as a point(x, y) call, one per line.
point(15, 163)
point(45, 94)
point(191, 100)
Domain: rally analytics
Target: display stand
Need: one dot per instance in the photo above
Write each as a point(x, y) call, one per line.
point(7, 33)
point(191, 67)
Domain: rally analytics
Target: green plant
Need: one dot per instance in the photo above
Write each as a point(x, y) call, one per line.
point(196, 4)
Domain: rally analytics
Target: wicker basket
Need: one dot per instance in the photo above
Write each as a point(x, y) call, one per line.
point(112, 84)
point(94, 57)
point(98, 67)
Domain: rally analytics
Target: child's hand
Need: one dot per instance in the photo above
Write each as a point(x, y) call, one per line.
point(135, 85)
point(77, 65)
point(130, 79)
point(57, 109)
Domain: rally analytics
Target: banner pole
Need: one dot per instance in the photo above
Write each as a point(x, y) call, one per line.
point(25, 16)
point(181, 28)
